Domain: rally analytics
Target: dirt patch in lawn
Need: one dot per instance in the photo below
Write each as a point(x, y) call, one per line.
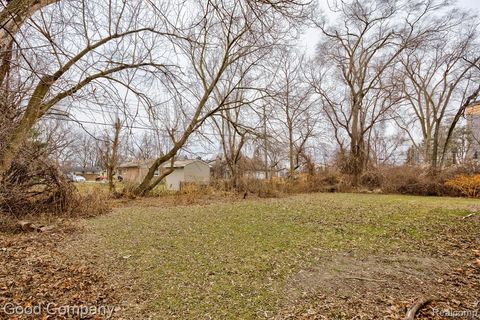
point(384, 287)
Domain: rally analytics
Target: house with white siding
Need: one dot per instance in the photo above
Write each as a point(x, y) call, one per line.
point(187, 171)
point(184, 171)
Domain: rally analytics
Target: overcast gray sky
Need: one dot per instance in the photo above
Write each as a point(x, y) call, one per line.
point(310, 38)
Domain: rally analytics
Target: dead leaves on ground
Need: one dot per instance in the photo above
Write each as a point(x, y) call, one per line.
point(33, 271)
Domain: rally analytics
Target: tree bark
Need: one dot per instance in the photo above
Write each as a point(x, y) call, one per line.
point(32, 113)
point(12, 18)
point(112, 162)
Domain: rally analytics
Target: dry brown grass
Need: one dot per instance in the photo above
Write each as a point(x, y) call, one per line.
point(468, 185)
point(411, 180)
point(276, 187)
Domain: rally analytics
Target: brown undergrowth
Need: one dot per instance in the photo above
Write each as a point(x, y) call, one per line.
point(35, 272)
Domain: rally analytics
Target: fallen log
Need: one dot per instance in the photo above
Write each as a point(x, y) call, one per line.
point(417, 307)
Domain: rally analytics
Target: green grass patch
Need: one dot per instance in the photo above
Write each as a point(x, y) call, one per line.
point(232, 261)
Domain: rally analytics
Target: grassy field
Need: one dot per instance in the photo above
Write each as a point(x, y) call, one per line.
point(318, 254)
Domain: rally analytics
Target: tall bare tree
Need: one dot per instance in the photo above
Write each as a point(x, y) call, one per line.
point(357, 81)
point(223, 47)
point(439, 83)
point(294, 106)
point(232, 140)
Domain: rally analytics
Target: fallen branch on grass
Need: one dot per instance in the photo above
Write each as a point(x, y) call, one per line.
point(416, 307)
point(30, 226)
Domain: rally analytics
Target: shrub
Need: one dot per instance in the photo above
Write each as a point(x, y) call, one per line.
point(189, 192)
point(468, 185)
point(272, 188)
point(85, 205)
point(34, 186)
point(414, 181)
point(372, 179)
point(327, 181)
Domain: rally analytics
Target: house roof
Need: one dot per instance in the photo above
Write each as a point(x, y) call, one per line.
point(136, 163)
point(473, 109)
point(86, 169)
point(181, 163)
point(176, 164)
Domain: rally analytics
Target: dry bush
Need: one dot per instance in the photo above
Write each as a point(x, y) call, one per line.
point(465, 169)
point(85, 205)
point(326, 181)
point(34, 186)
point(389, 179)
point(189, 192)
point(224, 185)
point(372, 179)
point(332, 181)
point(467, 185)
point(128, 190)
point(261, 188)
point(273, 188)
point(412, 180)
point(344, 162)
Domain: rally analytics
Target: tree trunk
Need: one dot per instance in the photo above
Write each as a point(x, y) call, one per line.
point(357, 146)
point(291, 153)
point(147, 185)
point(265, 143)
point(15, 141)
point(436, 137)
point(357, 161)
point(12, 18)
point(14, 15)
point(21, 130)
point(112, 165)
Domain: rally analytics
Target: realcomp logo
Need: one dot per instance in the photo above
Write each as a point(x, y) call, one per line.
point(471, 314)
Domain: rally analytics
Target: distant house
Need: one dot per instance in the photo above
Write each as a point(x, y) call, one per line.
point(187, 171)
point(184, 171)
point(89, 173)
point(135, 171)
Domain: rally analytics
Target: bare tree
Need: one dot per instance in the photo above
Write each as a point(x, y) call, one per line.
point(13, 15)
point(59, 140)
point(85, 50)
point(385, 148)
point(86, 151)
point(232, 140)
point(293, 103)
point(224, 46)
point(145, 146)
point(357, 81)
point(438, 82)
point(108, 149)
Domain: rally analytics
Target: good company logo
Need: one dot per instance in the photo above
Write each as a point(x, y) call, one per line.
point(51, 309)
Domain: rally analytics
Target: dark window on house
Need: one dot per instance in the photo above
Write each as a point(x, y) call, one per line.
point(475, 155)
